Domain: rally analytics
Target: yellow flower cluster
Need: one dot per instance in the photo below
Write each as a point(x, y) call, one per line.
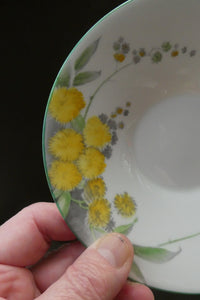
point(64, 175)
point(66, 104)
point(120, 57)
point(96, 134)
point(125, 205)
point(99, 213)
point(79, 152)
point(94, 189)
point(91, 163)
point(174, 53)
point(66, 145)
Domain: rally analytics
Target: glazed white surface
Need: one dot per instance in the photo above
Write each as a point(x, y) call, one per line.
point(157, 155)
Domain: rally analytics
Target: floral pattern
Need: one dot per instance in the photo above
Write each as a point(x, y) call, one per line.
point(66, 104)
point(157, 54)
point(81, 148)
point(125, 205)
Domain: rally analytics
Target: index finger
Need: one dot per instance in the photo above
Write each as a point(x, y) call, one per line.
point(26, 237)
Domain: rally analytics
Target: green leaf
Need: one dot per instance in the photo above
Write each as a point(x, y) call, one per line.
point(57, 193)
point(125, 228)
point(137, 273)
point(166, 46)
point(84, 58)
point(156, 255)
point(78, 123)
point(64, 78)
point(85, 77)
point(64, 202)
point(99, 229)
point(157, 57)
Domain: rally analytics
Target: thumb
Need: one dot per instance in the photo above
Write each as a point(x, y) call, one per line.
point(99, 273)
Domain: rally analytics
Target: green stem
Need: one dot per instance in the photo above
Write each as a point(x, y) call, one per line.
point(179, 240)
point(100, 229)
point(77, 201)
point(93, 233)
point(134, 221)
point(83, 206)
point(81, 203)
point(100, 86)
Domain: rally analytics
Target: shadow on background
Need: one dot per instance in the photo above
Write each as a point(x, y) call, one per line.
point(35, 41)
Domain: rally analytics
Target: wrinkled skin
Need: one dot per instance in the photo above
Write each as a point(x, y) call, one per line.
point(71, 272)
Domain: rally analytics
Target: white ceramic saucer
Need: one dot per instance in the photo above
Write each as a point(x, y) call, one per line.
point(121, 138)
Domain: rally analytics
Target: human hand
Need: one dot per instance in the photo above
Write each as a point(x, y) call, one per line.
point(99, 272)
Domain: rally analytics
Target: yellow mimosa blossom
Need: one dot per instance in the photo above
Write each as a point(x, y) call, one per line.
point(121, 125)
point(174, 53)
point(125, 205)
point(65, 104)
point(113, 115)
point(66, 144)
point(91, 163)
point(96, 133)
point(94, 189)
point(142, 53)
point(119, 110)
point(119, 57)
point(99, 213)
point(64, 175)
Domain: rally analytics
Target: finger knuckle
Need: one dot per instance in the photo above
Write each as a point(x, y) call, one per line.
point(87, 281)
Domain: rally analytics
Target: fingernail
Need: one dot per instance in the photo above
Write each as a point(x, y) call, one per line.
point(115, 249)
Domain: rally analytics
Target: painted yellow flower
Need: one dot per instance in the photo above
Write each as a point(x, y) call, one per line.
point(142, 53)
point(99, 213)
point(66, 144)
point(91, 163)
point(119, 110)
point(65, 104)
point(120, 57)
point(113, 115)
point(96, 133)
point(94, 189)
point(121, 125)
point(174, 53)
point(64, 175)
point(125, 205)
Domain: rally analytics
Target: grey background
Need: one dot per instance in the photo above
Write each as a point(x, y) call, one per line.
point(36, 37)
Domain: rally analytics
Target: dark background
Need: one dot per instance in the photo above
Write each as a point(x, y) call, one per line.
point(36, 38)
